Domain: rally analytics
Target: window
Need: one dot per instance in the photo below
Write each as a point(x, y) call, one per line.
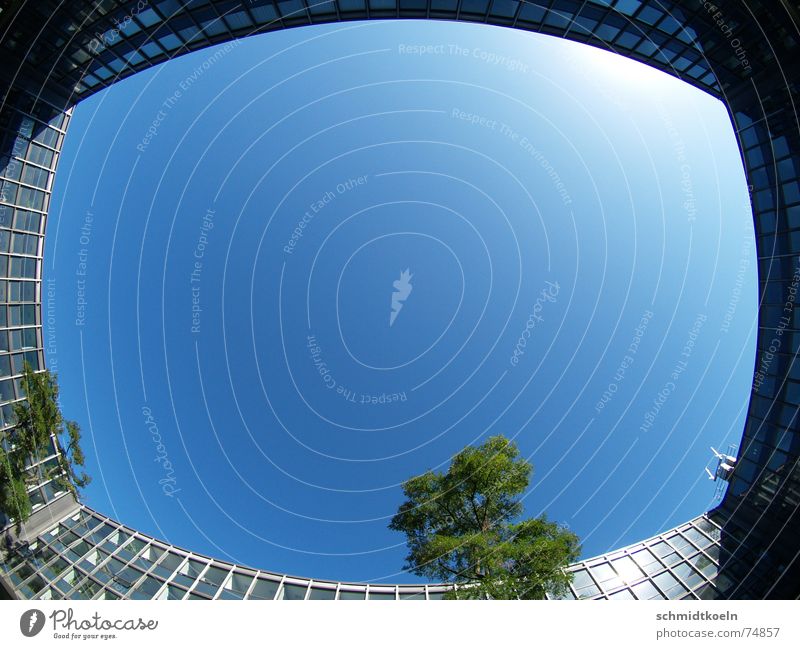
point(25, 244)
point(647, 561)
point(149, 557)
point(381, 595)
point(86, 590)
point(23, 267)
point(211, 580)
point(189, 572)
point(6, 390)
point(688, 575)
point(22, 315)
point(22, 339)
point(236, 586)
point(35, 176)
point(264, 589)
point(173, 592)
point(623, 594)
point(694, 535)
point(47, 136)
point(669, 585)
point(39, 155)
point(605, 576)
point(168, 565)
point(147, 589)
point(5, 365)
point(293, 591)
point(25, 220)
point(33, 198)
point(665, 553)
point(583, 584)
point(330, 593)
point(646, 590)
point(20, 291)
point(350, 594)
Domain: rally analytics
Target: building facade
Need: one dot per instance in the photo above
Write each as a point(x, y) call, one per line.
point(57, 52)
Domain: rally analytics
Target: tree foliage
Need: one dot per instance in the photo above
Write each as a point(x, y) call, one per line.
point(464, 526)
point(38, 420)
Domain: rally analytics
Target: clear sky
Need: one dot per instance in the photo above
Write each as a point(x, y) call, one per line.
point(226, 241)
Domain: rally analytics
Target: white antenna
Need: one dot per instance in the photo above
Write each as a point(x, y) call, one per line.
point(726, 463)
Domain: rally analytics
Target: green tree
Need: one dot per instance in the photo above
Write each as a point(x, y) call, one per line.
point(464, 526)
point(38, 419)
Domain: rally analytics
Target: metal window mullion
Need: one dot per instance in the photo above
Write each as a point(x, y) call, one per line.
point(574, 17)
point(280, 15)
point(550, 6)
point(279, 590)
point(221, 585)
point(252, 585)
point(37, 119)
point(221, 19)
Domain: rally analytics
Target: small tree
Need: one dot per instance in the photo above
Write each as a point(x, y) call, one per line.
point(463, 526)
point(38, 419)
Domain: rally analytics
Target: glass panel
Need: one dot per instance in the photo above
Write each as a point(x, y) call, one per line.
point(381, 595)
point(665, 553)
point(325, 593)
point(646, 560)
point(86, 590)
point(264, 589)
point(105, 594)
point(669, 585)
point(293, 591)
point(622, 594)
point(238, 583)
point(167, 565)
point(646, 590)
point(583, 584)
point(147, 589)
point(229, 594)
point(688, 574)
point(412, 594)
point(605, 576)
point(681, 544)
point(173, 592)
point(188, 572)
point(349, 594)
point(627, 569)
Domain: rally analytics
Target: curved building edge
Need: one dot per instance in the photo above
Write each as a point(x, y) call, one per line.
point(56, 53)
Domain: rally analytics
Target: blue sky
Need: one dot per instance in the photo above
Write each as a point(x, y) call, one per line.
point(576, 227)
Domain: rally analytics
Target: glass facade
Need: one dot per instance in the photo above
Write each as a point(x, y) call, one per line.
point(56, 53)
point(31, 134)
point(89, 556)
